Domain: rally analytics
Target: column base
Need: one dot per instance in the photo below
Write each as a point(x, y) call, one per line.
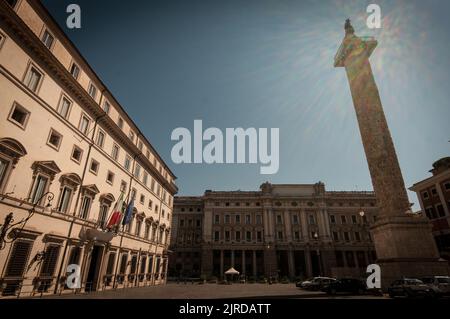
point(405, 247)
point(392, 270)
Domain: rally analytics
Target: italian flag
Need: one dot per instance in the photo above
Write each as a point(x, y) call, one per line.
point(116, 216)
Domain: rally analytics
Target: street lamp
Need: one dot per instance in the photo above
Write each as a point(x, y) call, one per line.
point(316, 237)
point(269, 266)
point(8, 224)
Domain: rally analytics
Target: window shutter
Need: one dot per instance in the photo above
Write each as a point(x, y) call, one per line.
point(50, 259)
point(18, 259)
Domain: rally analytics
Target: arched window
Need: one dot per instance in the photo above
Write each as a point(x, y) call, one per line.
point(10, 153)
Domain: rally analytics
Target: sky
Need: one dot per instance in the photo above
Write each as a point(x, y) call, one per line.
point(269, 64)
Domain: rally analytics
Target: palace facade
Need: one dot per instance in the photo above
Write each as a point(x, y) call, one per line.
point(281, 231)
point(68, 150)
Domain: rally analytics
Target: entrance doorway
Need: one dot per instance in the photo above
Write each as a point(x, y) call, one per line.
point(94, 268)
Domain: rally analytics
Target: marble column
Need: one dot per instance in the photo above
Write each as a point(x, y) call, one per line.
point(254, 263)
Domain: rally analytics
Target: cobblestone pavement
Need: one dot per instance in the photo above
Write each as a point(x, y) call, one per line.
point(206, 291)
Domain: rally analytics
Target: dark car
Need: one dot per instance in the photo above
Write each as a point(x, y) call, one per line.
point(410, 288)
point(439, 284)
point(346, 285)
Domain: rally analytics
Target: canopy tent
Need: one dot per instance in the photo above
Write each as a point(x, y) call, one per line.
point(231, 271)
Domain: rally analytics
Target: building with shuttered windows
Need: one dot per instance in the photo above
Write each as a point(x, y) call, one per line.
point(68, 150)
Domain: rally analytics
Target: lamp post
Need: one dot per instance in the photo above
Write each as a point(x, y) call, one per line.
point(269, 266)
point(316, 237)
point(8, 224)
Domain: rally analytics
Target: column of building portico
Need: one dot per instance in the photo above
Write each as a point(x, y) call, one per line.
point(305, 236)
point(232, 258)
point(221, 263)
point(243, 262)
point(442, 199)
point(207, 253)
point(270, 262)
point(254, 263)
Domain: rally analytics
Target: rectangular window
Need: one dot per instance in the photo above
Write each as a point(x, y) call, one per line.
point(103, 215)
point(92, 91)
point(133, 193)
point(39, 188)
point(216, 236)
point(84, 124)
point(100, 140)
point(237, 236)
point(115, 152)
point(150, 204)
point(248, 219)
point(357, 236)
point(33, 79)
point(216, 219)
point(140, 145)
point(280, 235)
point(248, 235)
point(93, 168)
point(54, 139)
point(425, 195)
point(4, 164)
point(77, 154)
point(227, 235)
point(131, 136)
point(332, 219)
point(142, 199)
point(120, 123)
point(64, 201)
point(237, 219)
point(259, 236)
point(137, 171)
point(110, 177)
point(296, 235)
point(19, 115)
point(278, 219)
point(106, 107)
point(127, 163)
point(47, 39)
point(295, 219)
point(343, 219)
point(18, 259)
point(258, 219)
point(123, 186)
point(85, 207)
point(74, 70)
point(49, 264)
point(145, 178)
point(335, 236)
point(312, 220)
point(346, 236)
point(227, 219)
point(354, 219)
point(64, 107)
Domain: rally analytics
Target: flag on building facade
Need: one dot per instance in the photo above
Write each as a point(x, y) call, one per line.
point(116, 216)
point(128, 213)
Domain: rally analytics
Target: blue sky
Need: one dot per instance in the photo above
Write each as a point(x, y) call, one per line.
point(266, 63)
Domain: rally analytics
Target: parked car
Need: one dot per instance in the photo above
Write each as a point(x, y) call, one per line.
point(410, 287)
point(316, 283)
point(439, 284)
point(346, 285)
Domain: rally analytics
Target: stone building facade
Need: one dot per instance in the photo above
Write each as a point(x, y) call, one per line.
point(434, 198)
point(284, 231)
point(68, 150)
